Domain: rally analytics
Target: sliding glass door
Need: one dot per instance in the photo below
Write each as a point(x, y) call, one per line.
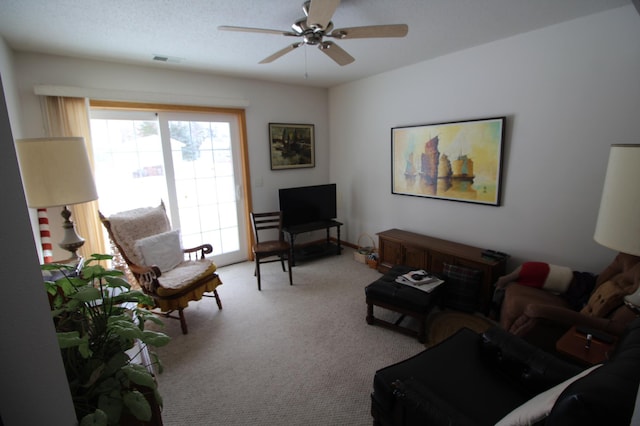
point(191, 161)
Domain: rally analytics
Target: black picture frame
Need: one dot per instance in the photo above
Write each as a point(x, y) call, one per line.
point(456, 160)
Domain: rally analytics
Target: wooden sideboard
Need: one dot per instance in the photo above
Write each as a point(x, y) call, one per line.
point(398, 247)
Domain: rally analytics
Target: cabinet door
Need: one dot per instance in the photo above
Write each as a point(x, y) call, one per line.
point(390, 253)
point(415, 257)
point(437, 261)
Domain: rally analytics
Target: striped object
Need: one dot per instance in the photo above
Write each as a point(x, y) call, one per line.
point(45, 236)
point(546, 276)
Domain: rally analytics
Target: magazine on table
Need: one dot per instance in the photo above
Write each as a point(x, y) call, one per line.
point(420, 279)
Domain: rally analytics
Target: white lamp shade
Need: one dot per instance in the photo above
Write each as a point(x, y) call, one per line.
point(55, 171)
point(618, 225)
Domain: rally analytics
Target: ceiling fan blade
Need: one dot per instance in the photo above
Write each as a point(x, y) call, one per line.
point(336, 53)
point(320, 12)
point(280, 53)
point(256, 30)
point(371, 31)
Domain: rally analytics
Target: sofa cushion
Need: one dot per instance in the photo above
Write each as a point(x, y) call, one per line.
point(539, 407)
point(608, 296)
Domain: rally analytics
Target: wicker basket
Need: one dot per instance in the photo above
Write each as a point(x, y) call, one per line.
point(362, 252)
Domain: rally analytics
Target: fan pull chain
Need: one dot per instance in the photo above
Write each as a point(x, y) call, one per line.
point(306, 76)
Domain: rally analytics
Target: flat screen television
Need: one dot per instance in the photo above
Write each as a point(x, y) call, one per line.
point(306, 204)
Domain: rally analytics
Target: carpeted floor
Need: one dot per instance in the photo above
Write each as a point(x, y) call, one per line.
point(288, 355)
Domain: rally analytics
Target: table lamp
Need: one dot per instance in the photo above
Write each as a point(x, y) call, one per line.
point(56, 173)
point(618, 225)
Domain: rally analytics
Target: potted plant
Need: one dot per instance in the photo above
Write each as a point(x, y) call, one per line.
point(101, 329)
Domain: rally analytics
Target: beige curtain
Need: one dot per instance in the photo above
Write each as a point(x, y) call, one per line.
point(70, 117)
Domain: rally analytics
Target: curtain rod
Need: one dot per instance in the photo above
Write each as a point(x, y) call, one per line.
point(134, 96)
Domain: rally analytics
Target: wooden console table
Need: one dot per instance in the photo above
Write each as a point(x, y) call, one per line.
point(398, 247)
point(292, 231)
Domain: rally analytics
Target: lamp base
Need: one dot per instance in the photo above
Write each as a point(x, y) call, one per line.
point(71, 241)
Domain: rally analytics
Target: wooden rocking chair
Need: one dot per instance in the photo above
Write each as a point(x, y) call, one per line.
point(171, 275)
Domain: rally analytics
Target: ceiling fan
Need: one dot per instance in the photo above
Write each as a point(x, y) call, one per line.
point(317, 25)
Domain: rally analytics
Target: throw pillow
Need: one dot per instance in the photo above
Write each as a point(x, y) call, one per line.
point(552, 278)
point(539, 407)
point(608, 296)
point(163, 250)
point(462, 286)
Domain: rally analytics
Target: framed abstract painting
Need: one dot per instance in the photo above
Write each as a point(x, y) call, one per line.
point(458, 161)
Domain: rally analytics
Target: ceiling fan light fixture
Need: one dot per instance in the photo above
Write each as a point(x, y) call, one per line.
point(318, 25)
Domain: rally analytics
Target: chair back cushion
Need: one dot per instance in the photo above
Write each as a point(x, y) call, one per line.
point(130, 226)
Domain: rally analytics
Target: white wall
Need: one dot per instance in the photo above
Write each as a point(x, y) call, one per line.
point(268, 102)
point(569, 91)
point(34, 387)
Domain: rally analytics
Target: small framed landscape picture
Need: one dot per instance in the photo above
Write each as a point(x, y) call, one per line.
point(291, 146)
point(458, 161)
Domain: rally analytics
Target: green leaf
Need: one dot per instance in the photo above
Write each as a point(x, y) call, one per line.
point(155, 338)
point(144, 315)
point(125, 329)
point(69, 339)
point(97, 418)
point(156, 361)
point(91, 272)
point(87, 294)
point(116, 363)
point(117, 282)
point(158, 397)
point(112, 404)
point(96, 373)
point(56, 267)
point(85, 349)
point(98, 257)
point(133, 296)
point(76, 282)
point(52, 289)
point(137, 404)
point(107, 386)
point(139, 375)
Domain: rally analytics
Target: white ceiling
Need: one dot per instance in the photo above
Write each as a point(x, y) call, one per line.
point(133, 31)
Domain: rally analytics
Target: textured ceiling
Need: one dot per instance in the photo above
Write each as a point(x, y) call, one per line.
point(186, 32)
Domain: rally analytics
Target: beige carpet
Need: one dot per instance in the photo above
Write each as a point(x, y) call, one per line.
point(445, 323)
point(288, 355)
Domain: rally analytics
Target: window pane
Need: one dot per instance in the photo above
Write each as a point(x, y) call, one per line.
point(129, 168)
point(203, 168)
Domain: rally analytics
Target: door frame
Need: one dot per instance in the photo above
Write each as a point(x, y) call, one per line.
point(244, 147)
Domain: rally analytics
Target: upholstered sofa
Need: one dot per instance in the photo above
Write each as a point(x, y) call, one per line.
point(496, 378)
point(595, 301)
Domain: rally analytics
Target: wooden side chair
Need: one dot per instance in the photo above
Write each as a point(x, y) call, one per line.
point(270, 249)
point(171, 275)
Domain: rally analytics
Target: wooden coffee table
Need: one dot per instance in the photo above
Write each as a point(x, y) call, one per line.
point(573, 344)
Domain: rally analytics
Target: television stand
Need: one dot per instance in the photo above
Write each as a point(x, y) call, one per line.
point(293, 230)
